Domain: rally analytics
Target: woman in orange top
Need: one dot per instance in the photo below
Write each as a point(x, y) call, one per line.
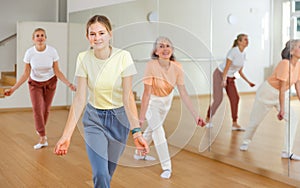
point(162, 74)
point(276, 87)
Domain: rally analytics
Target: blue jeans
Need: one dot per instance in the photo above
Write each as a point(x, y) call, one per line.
point(106, 133)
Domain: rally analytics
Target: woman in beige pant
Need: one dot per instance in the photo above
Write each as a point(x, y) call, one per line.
point(274, 93)
point(162, 74)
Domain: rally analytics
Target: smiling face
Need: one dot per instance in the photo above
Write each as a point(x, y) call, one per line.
point(98, 36)
point(39, 37)
point(164, 49)
point(243, 41)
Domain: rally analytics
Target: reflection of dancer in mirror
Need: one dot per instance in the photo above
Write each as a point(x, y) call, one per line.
point(223, 77)
point(162, 74)
point(274, 93)
point(111, 110)
point(41, 67)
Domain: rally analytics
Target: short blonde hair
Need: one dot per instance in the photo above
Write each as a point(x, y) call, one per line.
point(39, 29)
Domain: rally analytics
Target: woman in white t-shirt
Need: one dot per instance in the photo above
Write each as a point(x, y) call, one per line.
point(41, 67)
point(223, 77)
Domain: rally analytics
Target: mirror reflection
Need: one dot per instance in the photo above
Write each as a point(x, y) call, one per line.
point(202, 33)
point(215, 34)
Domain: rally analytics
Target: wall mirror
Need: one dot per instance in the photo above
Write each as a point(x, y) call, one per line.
point(202, 33)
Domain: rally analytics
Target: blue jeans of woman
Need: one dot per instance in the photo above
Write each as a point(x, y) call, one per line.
point(106, 133)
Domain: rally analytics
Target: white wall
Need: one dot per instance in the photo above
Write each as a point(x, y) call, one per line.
point(79, 5)
point(8, 56)
point(252, 18)
point(13, 11)
point(200, 32)
point(277, 30)
point(21, 98)
point(189, 29)
point(75, 31)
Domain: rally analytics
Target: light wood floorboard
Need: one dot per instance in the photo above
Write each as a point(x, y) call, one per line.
point(22, 166)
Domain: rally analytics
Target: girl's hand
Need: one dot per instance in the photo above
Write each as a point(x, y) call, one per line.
point(140, 143)
point(224, 83)
point(200, 122)
point(280, 115)
point(72, 87)
point(141, 122)
point(8, 92)
point(61, 148)
point(251, 84)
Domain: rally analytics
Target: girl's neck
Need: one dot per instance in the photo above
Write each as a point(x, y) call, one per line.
point(41, 47)
point(241, 48)
point(104, 53)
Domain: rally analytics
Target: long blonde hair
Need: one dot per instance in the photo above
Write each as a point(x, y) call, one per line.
point(100, 19)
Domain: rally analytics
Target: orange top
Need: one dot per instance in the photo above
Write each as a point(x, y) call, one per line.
point(163, 81)
point(281, 73)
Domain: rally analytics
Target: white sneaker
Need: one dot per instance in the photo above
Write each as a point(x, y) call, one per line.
point(166, 174)
point(209, 125)
point(244, 147)
point(238, 129)
point(146, 157)
point(39, 145)
point(285, 155)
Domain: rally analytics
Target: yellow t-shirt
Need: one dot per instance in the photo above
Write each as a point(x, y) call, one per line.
point(285, 72)
point(104, 77)
point(162, 81)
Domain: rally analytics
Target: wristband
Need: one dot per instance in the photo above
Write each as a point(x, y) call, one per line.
point(135, 130)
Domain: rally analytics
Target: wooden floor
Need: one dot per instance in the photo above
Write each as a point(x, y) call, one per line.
point(22, 166)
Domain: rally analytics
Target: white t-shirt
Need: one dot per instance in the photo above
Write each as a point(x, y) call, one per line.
point(41, 62)
point(238, 59)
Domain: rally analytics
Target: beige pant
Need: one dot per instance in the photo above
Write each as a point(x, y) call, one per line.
point(156, 114)
point(267, 97)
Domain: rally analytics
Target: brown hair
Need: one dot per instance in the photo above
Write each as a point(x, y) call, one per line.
point(289, 46)
point(100, 19)
point(238, 38)
point(159, 39)
point(39, 29)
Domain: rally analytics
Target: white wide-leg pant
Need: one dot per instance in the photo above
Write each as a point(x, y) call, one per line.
point(156, 114)
point(267, 97)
